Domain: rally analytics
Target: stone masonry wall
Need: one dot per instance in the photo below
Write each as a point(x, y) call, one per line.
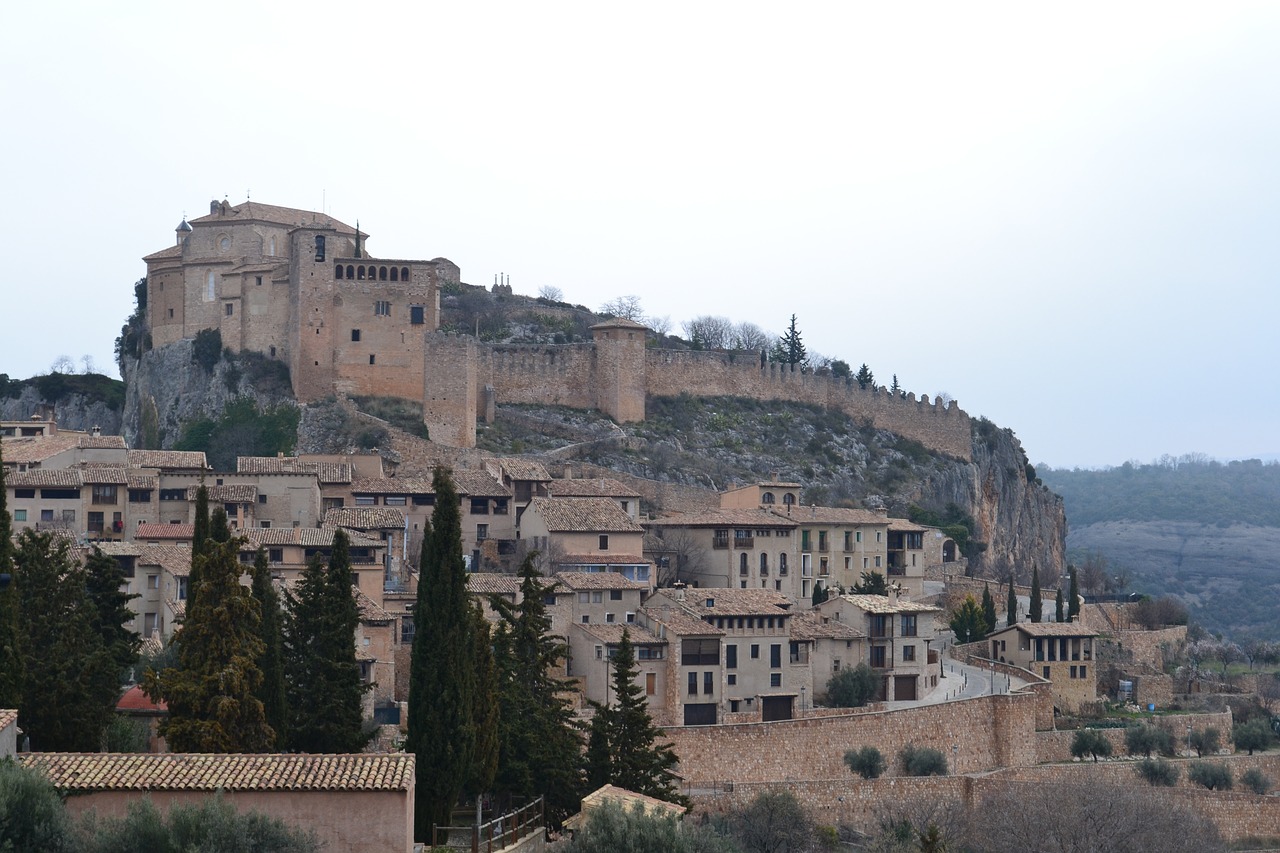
point(1056, 745)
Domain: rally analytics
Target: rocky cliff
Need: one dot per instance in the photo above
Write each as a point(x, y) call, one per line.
point(72, 411)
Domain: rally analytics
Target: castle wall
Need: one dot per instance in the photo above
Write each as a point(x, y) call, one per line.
point(551, 375)
point(449, 392)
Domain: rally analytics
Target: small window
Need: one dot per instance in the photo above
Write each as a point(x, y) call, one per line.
point(732, 679)
point(650, 678)
point(1084, 672)
point(708, 682)
point(338, 271)
point(366, 500)
point(355, 335)
point(608, 617)
point(1046, 673)
point(170, 313)
point(416, 315)
point(262, 499)
point(258, 281)
point(24, 493)
point(319, 247)
point(586, 619)
point(775, 679)
point(230, 309)
point(549, 599)
point(615, 595)
point(382, 308)
point(482, 532)
point(693, 684)
point(373, 358)
point(908, 653)
point(604, 542)
point(597, 597)
point(631, 617)
point(153, 581)
point(479, 506)
point(755, 652)
point(19, 515)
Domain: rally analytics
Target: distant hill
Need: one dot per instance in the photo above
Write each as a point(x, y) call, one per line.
point(1206, 531)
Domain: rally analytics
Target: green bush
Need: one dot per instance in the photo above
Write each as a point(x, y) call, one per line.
point(1143, 739)
point(1255, 780)
point(1255, 734)
point(852, 688)
point(1158, 772)
point(1214, 775)
point(923, 761)
point(32, 816)
point(207, 349)
point(213, 826)
point(1206, 740)
point(610, 827)
point(866, 762)
point(1090, 742)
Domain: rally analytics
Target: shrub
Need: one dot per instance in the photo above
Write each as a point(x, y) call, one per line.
point(852, 688)
point(1090, 742)
point(1213, 775)
point(1255, 780)
point(212, 825)
point(1206, 740)
point(207, 349)
point(1144, 739)
point(1158, 772)
point(610, 827)
point(923, 761)
point(1255, 734)
point(32, 816)
point(866, 762)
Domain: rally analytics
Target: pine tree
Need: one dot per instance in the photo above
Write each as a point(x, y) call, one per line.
point(789, 348)
point(442, 732)
point(1036, 610)
point(864, 377)
point(71, 681)
point(324, 688)
point(11, 664)
point(1011, 612)
point(1073, 596)
point(272, 691)
point(988, 607)
point(637, 761)
point(104, 584)
point(819, 594)
point(219, 528)
point(539, 744)
point(968, 623)
point(485, 709)
point(895, 389)
point(211, 693)
point(198, 540)
point(1057, 606)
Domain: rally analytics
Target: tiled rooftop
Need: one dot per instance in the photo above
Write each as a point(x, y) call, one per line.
point(26, 450)
point(811, 626)
point(600, 487)
point(832, 515)
point(681, 623)
point(569, 560)
point(325, 472)
point(370, 610)
point(209, 772)
point(231, 493)
point(1053, 629)
point(164, 531)
point(736, 602)
point(249, 211)
point(492, 583)
point(886, 604)
point(307, 537)
point(65, 478)
point(392, 486)
point(181, 459)
point(725, 518)
point(365, 517)
point(8, 716)
point(523, 469)
point(597, 580)
point(583, 515)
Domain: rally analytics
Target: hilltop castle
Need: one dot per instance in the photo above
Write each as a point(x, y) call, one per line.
point(299, 286)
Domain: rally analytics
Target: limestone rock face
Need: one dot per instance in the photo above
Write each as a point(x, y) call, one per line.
point(73, 412)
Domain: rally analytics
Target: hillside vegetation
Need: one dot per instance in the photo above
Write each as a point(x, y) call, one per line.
point(1206, 531)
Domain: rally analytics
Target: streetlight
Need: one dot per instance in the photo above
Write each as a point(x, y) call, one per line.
point(802, 703)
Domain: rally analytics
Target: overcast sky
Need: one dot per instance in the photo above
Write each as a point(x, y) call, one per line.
point(1066, 216)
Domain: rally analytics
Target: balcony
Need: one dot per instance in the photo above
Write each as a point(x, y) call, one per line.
point(720, 542)
point(744, 542)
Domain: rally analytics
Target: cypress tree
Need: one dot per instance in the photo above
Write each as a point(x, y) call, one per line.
point(71, 681)
point(789, 348)
point(637, 761)
point(325, 689)
point(211, 694)
point(442, 732)
point(818, 594)
point(198, 540)
point(219, 528)
point(1073, 597)
point(988, 607)
point(11, 665)
point(1037, 604)
point(484, 708)
point(1057, 606)
point(271, 692)
point(104, 584)
point(1011, 606)
point(539, 745)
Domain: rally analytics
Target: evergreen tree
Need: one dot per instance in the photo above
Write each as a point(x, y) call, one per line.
point(211, 694)
point(599, 763)
point(442, 730)
point(819, 594)
point(219, 528)
point(198, 540)
point(71, 681)
point(539, 744)
point(967, 623)
point(1036, 610)
point(485, 709)
point(272, 691)
point(1011, 613)
point(871, 583)
point(1057, 606)
point(637, 761)
point(11, 664)
point(1073, 596)
point(789, 348)
point(324, 688)
point(104, 583)
point(895, 389)
point(864, 377)
point(988, 607)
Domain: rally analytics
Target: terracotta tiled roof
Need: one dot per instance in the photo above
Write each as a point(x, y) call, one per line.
point(209, 772)
point(369, 609)
point(902, 525)
point(136, 699)
point(831, 515)
point(681, 623)
point(597, 580)
point(523, 469)
point(583, 515)
point(120, 549)
point(164, 531)
point(49, 477)
point(492, 583)
point(569, 560)
point(392, 486)
point(365, 517)
point(182, 459)
point(1051, 629)
point(612, 633)
point(737, 602)
point(250, 211)
point(620, 323)
point(326, 472)
point(174, 559)
point(171, 252)
point(885, 604)
point(811, 626)
point(725, 518)
point(8, 717)
point(138, 480)
point(479, 484)
point(601, 487)
point(30, 449)
point(307, 537)
point(151, 646)
point(230, 493)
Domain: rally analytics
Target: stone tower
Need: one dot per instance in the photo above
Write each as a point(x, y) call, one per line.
point(620, 369)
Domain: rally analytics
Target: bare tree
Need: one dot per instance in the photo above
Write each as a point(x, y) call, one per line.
point(86, 365)
point(683, 557)
point(709, 332)
point(660, 326)
point(63, 364)
point(551, 293)
point(624, 308)
point(749, 336)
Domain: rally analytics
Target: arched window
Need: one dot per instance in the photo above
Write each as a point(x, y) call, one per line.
point(271, 247)
point(360, 273)
point(742, 564)
point(404, 273)
point(337, 271)
point(764, 565)
point(210, 288)
point(351, 271)
point(382, 273)
point(766, 498)
point(782, 564)
point(788, 499)
point(395, 273)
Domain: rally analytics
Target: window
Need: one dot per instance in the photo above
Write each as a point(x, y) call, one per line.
point(908, 624)
point(1084, 672)
point(879, 535)
point(139, 496)
point(835, 665)
point(415, 315)
point(355, 335)
point(877, 657)
point(705, 652)
point(877, 561)
point(650, 683)
point(19, 515)
point(586, 619)
point(775, 679)
point(104, 494)
point(731, 657)
point(549, 599)
point(60, 494)
point(482, 532)
point(148, 624)
point(153, 581)
point(366, 500)
point(631, 617)
point(373, 359)
point(69, 516)
point(210, 288)
point(382, 309)
point(275, 555)
point(775, 656)
point(708, 682)
point(767, 498)
point(319, 247)
point(262, 499)
point(24, 493)
point(95, 525)
point(788, 499)
point(608, 617)
point(230, 309)
point(46, 515)
point(1046, 673)
point(479, 506)
point(782, 564)
point(615, 595)
point(259, 281)
point(597, 597)
point(604, 541)
point(908, 653)
point(407, 629)
point(742, 564)
point(866, 563)
point(1073, 671)
point(755, 651)
point(693, 684)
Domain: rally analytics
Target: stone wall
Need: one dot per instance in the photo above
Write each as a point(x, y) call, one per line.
point(1054, 746)
point(974, 734)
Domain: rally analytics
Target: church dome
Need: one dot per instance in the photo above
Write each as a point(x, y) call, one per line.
point(183, 226)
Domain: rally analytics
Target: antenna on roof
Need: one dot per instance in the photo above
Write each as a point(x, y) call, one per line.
point(246, 195)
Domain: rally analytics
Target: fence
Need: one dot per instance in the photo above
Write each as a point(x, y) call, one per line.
point(499, 833)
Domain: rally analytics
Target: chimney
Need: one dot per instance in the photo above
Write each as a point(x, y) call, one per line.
point(96, 431)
